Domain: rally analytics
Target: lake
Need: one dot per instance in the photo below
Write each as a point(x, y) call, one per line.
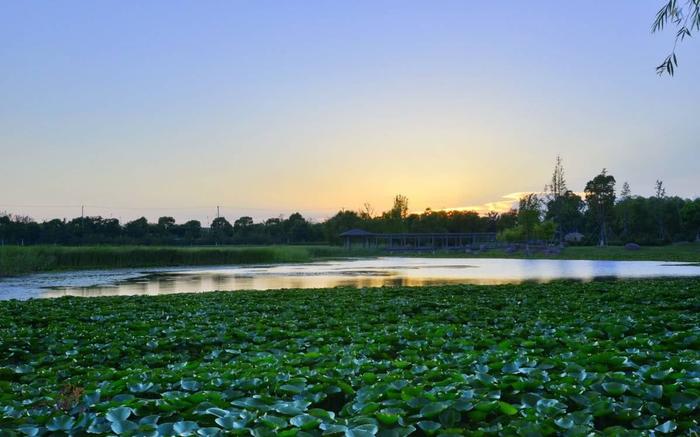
point(375, 272)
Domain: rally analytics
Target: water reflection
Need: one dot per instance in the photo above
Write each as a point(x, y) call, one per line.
point(353, 273)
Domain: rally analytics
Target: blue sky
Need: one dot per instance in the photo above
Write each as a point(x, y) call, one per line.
point(171, 108)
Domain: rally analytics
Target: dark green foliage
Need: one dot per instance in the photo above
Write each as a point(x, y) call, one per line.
point(18, 230)
point(566, 211)
point(600, 199)
point(561, 358)
point(654, 220)
point(690, 214)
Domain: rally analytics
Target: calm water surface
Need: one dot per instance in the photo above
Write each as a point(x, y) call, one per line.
point(374, 272)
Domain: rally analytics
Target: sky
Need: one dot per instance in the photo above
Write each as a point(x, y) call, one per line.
point(268, 107)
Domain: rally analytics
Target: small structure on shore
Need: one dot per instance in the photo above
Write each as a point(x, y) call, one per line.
point(573, 237)
point(406, 241)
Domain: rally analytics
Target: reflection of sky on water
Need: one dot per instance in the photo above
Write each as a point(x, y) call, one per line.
point(390, 271)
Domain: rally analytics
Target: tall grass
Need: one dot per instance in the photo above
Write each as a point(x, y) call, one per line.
point(30, 259)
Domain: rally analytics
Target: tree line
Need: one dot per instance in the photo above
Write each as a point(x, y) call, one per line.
point(98, 230)
point(597, 215)
point(600, 216)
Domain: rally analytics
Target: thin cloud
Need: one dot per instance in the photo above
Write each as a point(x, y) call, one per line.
point(506, 203)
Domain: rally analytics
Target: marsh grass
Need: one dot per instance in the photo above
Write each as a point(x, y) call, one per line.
point(681, 252)
point(16, 260)
point(31, 259)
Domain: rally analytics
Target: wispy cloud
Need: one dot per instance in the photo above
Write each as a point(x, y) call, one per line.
point(506, 203)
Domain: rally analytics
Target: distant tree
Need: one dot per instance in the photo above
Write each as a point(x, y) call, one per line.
point(566, 211)
point(658, 205)
point(600, 198)
point(191, 230)
point(625, 193)
point(492, 218)
point(274, 229)
point(221, 229)
point(343, 221)
point(54, 231)
point(529, 214)
point(557, 187)
point(137, 229)
point(623, 209)
point(685, 18)
point(557, 204)
point(110, 229)
point(243, 223)
point(691, 217)
point(166, 222)
point(400, 208)
point(659, 189)
point(367, 211)
point(164, 228)
point(297, 229)
point(507, 219)
point(395, 220)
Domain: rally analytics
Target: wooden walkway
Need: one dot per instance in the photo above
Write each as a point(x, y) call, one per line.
point(420, 242)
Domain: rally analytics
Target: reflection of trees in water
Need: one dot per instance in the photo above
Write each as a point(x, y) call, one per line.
point(489, 272)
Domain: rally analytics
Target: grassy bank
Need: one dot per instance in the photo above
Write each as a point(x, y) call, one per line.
point(530, 359)
point(30, 259)
point(686, 252)
point(16, 260)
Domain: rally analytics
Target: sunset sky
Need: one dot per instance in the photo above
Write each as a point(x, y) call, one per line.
point(269, 107)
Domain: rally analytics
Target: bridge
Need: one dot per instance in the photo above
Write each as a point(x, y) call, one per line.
point(411, 241)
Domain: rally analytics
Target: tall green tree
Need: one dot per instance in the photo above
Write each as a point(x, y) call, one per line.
point(400, 208)
point(658, 205)
point(691, 217)
point(557, 204)
point(529, 214)
point(221, 229)
point(623, 210)
point(600, 199)
point(566, 211)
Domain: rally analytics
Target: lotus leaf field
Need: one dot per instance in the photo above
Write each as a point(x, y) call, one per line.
point(608, 358)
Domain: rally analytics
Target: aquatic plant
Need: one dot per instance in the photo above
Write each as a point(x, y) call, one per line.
point(533, 359)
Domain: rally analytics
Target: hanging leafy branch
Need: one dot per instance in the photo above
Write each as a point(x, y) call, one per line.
point(686, 18)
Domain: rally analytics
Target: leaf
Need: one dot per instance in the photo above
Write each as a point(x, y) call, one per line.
point(218, 412)
point(433, 409)
point(666, 427)
point(60, 423)
point(507, 408)
point(273, 422)
point(140, 387)
point(615, 388)
point(389, 416)
point(230, 422)
point(29, 430)
point(305, 421)
point(185, 428)
point(118, 414)
point(428, 426)
point(123, 426)
point(190, 384)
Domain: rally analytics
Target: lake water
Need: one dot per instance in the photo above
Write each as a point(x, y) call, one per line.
point(375, 272)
